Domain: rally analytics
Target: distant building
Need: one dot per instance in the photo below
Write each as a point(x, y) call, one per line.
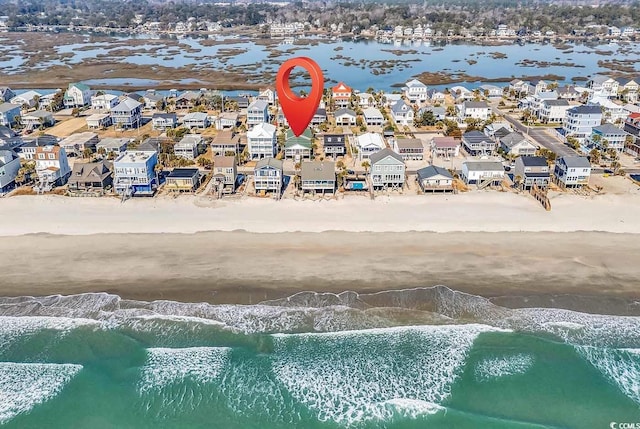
point(373, 117)
point(195, 120)
point(415, 91)
point(341, 95)
point(368, 144)
point(607, 135)
point(518, 145)
point(77, 143)
point(298, 147)
point(257, 112)
point(77, 95)
point(104, 102)
point(445, 147)
point(345, 117)
point(8, 114)
point(127, 114)
point(477, 143)
point(402, 113)
point(473, 109)
point(187, 147)
point(409, 149)
point(226, 142)
point(164, 121)
point(9, 166)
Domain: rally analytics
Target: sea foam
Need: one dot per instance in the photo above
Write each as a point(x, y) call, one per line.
point(356, 376)
point(503, 366)
point(25, 385)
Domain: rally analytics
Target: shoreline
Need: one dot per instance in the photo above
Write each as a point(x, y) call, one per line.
point(584, 271)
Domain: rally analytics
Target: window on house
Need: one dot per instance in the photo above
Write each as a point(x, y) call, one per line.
point(41, 156)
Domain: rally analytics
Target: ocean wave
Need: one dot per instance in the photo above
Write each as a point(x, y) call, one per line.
point(494, 368)
point(25, 385)
point(15, 328)
point(619, 366)
point(344, 377)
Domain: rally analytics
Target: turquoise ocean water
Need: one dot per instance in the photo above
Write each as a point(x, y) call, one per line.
point(422, 358)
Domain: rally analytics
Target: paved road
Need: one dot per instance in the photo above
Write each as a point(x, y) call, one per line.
point(543, 137)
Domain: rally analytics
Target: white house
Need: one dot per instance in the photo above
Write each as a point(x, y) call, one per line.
point(581, 120)
point(77, 95)
point(52, 166)
point(268, 95)
point(345, 117)
point(199, 120)
point(402, 113)
point(517, 144)
point(261, 141)
point(572, 171)
point(604, 86)
point(368, 144)
point(553, 111)
point(415, 91)
point(127, 114)
point(37, 118)
point(98, 121)
point(373, 116)
point(491, 91)
point(104, 102)
point(187, 147)
point(607, 135)
point(257, 113)
point(482, 171)
point(27, 98)
point(473, 109)
point(366, 100)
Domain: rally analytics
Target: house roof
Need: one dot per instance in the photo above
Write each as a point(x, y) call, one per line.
point(97, 117)
point(431, 171)
point(576, 161)
point(533, 161)
point(333, 139)
point(475, 136)
point(259, 105)
point(600, 78)
point(370, 139)
point(482, 165)
point(90, 171)
point(318, 170)
point(189, 95)
point(128, 104)
point(501, 132)
point(307, 134)
point(182, 173)
point(512, 139)
point(224, 161)
point(341, 87)
point(585, 110)
point(6, 132)
point(6, 107)
point(81, 86)
point(372, 113)
point(190, 140)
point(560, 102)
point(6, 156)
point(608, 128)
point(445, 142)
point(261, 129)
point(195, 116)
point(269, 162)
point(321, 112)
point(341, 112)
point(38, 114)
point(384, 153)
point(112, 143)
point(475, 105)
point(409, 144)
point(164, 116)
point(415, 83)
point(400, 107)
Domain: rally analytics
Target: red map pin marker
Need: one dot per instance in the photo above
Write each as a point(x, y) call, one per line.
point(298, 110)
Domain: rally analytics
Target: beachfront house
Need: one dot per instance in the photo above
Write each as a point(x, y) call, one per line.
point(345, 117)
point(8, 114)
point(37, 119)
point(52, 166)
point(368, 144)
point(402, 113)
point(415, 91)
point(98, 121)
point(77, 143)
point(581, 120)
point(268, 176)
point(261, 141)
point(226, 142)
point(373, 117)
point(482, 172)
point(134, 172)
point(225, 173)
point(183, 180)
point(104, 102)
point(474, 110)
point(389, 99)
point(532, 170)
point(112, 145)
point(257, 112)
point(445, 147)
point(298, 147)
point(572, 171)
point(477, 143)
point(460, 93)
point(341, 95)
point(188, 146)
point(334, 145)
point(409, 149)
point(195, 120)
point(607, 136)
point(6, 94)
point(434, 179)
point(91, 177)
point(127, 114)
point(387, 170)
point(164, 121)
point(515, 144)
point(318, 177)
point(77, 95)
point(9, 166)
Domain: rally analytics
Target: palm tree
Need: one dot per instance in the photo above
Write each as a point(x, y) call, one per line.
point(517, 181)
point(594, 155)
point(87, 152)
point(158, 169)
point(365, 164)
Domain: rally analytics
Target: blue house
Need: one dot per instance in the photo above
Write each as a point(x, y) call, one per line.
point(8, 113)
point(134, 172)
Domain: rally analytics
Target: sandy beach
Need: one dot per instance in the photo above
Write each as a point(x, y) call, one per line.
point(502, 246)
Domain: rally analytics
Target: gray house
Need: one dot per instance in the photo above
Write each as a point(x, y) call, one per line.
point(9, 166)
point(257, 113)
point(127, 114)
point(8, 113)
point(434, 179)
point(91, 176)
point(163, 121)
point(572, 171)
point(517, 144)
point(387, 170)
point(268, 175)
point(6, 93)
point(318, 176)
point(478, 143)
point(533, 170)
point(334, 145)
point(195, 120)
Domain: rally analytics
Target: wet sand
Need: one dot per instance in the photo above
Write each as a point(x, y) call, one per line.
point(587, 271)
